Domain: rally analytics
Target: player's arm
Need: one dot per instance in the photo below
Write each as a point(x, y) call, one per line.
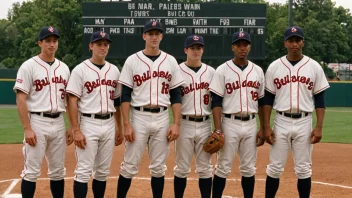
point(117, 116)
point(216, 105)
point(176, 104)
point(260, 135)
point(125, 109)
point(79, 138)
point(22, 109)
point(268, 103)
point(69, 131)
point(319, 102)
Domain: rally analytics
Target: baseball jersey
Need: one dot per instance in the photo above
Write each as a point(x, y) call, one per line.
point(96, 88)
point(240, 89)
point(44, 84)
point(195, 91)
point(294, 86)
point(151, 81)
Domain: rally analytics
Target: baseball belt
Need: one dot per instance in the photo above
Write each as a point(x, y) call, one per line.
point(242, 118)
point(195, 119)
point(47, 115)
point(98, 116)
point(294, 115)
point(151, 110)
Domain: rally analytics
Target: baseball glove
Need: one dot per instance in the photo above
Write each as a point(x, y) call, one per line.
point(214, 143)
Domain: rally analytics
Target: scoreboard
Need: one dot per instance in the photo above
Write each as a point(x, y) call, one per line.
point(216, 22)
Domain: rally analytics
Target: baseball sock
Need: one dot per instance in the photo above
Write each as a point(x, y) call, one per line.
point(179, 186)
point(157, 186)
point(80, 189)
point(304, 186)
point(205, 187)
point(271, 186)
point(98, 188)
point(57, 188)
point(248, 186)
point(28, 189)
point(218, 186)
point(122, 186)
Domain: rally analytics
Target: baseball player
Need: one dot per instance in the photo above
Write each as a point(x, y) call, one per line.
point(295, 85)
point(237, 87)
point(151, 80)
point(40, 96)
point(95, 93)
point(195, 123)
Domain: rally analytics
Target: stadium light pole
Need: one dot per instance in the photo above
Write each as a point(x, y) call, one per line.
point(290, 3)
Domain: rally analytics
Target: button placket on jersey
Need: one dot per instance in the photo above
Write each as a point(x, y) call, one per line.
point(52, 87)
point(153, 87)
point(103, 93)
point(197, 95)
point(243, 92)
point(294, 92)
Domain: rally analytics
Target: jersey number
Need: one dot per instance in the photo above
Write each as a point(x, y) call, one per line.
point(63, 92)
point(165, 88)
point(206, 99)
point(111, 93)
point(254, 95)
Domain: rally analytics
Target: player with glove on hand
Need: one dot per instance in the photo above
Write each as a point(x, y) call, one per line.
point(195, 123)
point(236, 88)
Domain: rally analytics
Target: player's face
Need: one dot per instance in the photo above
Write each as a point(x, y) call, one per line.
point(294, 45)
point(194, 52)
point(100, 48)
point(49, 45)
point(152, 38)
point(241, 49)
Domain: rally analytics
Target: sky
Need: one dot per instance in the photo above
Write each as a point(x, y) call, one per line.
point(6, 4)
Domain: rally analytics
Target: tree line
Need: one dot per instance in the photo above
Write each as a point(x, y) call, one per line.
point(328, 30)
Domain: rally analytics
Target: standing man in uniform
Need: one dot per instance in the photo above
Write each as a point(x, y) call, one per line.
point(95, 94)
point(40, 97)
point(151, 80)
point(195, 123)
point(295, 86)
point(237, 88)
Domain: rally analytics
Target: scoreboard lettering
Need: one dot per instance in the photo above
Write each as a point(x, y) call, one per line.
point(216, 22)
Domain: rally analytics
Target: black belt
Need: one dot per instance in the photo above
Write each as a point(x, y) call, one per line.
point(244, 118)
point(294, 115)
point(151, 110)
point(47, 115)
point(195, 119)
point(99, 116)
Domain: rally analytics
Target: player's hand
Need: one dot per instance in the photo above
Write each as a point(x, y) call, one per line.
point(173, 132)
point(260, 138)
point(80, 139)
point(30, 137)
point(118, 138)
point(129, 133)
point(69, 136)
point(316, 136)
point(269, 136)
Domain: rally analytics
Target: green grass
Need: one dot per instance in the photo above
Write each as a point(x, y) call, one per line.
point(337, 125)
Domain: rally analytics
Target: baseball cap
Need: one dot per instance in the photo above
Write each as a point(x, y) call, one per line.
point(48, 31)
point(294, 31)
point(153, 25)
point(241, 36)
point(99, 35)
point(194, 39)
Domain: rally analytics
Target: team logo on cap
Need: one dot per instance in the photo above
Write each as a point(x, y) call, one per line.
point(196, 38)
point(241, 34)
point(51, 29)
point(102, 34)
point(154, 23)
point(293, 29)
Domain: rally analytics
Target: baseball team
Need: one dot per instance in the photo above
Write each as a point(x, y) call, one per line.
point(105, 107)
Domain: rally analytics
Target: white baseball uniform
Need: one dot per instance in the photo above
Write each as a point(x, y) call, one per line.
point(45, 88)
point(240, 91)
point(151, 82)
point(195, 104)
point(96, 89)
point(294, 87)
